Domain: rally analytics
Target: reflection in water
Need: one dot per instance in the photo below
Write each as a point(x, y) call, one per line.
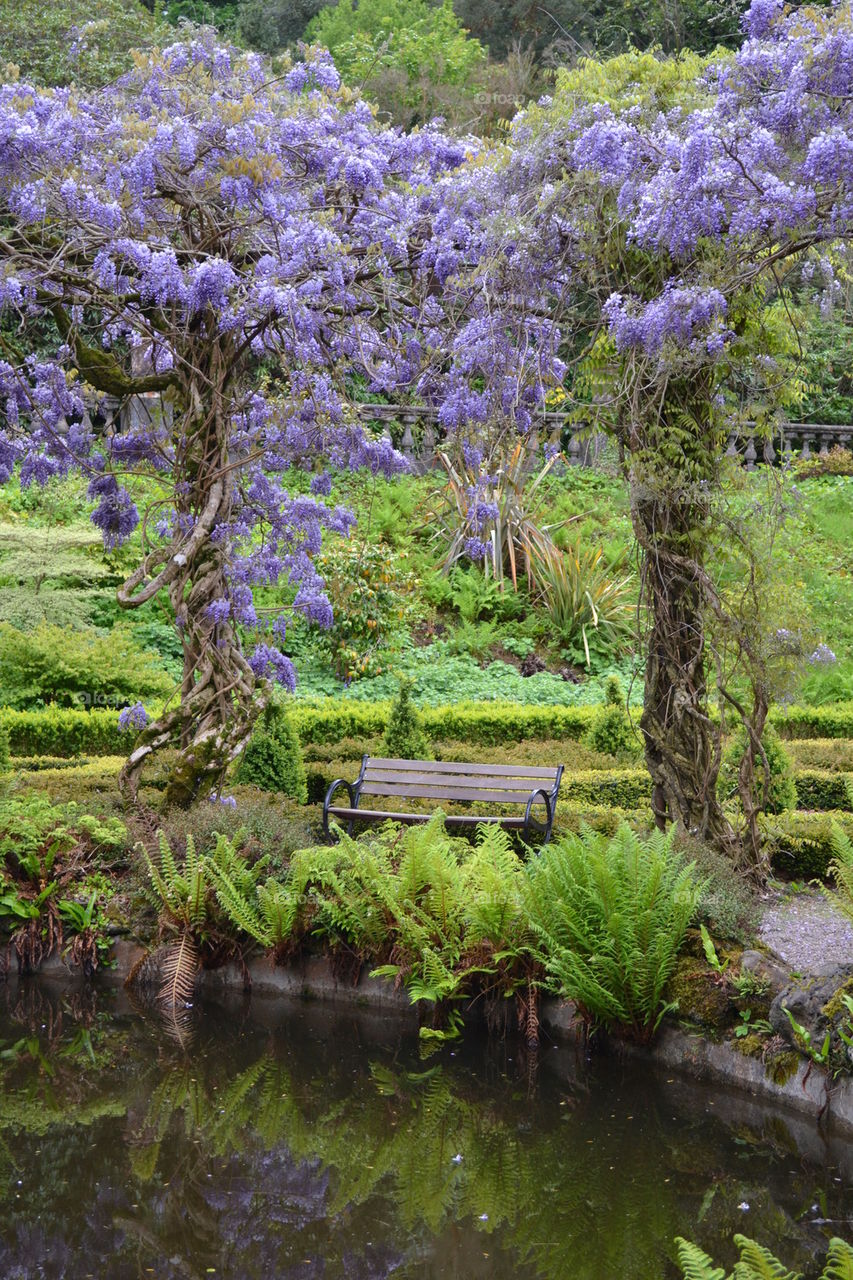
point(295, 1142)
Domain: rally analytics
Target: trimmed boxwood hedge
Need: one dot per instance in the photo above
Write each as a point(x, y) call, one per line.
point(62, 731)
point(54, 731)
point(823, 789)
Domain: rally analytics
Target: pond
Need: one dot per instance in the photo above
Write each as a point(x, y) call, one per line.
point(274, 1140)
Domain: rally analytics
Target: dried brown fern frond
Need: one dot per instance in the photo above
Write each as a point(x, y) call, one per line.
point(178, 970)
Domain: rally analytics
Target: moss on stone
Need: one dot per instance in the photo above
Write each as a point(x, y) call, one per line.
point(782, 1067)
point(699, 994)
point(834, 1007)
point(751, 1046)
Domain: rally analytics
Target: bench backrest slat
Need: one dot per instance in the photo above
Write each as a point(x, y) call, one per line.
point(454, 766)
point(428, 781)
point(449, 791)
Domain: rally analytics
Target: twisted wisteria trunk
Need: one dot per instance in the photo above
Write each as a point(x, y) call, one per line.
point(220, 698)
point(670, 511)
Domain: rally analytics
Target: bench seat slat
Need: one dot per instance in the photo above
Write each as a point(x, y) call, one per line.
point(450, 792)
point(454, 766)
point(465, 818)
point(430, 781)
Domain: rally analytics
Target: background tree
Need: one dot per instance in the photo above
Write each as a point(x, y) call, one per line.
point(272, 25)
point(65, 41)
point(413, 58)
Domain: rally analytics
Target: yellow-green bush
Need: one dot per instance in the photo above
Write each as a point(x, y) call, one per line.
point(67, 667)
point(822, 753)
point(63, 731)
point(823, 789)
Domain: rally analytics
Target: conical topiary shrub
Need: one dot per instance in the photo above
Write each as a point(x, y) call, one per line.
point(405, 738)
point(611, 732)
point(273, 759)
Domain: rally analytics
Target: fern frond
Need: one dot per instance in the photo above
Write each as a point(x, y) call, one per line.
point(839, 1261)
point(179, 968)
point(695, 1264)
point(758, 1263)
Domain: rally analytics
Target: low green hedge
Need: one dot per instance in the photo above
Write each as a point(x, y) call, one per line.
point(832, 721)
point(801, 843)
point(486, 723)
point(823, 789)
point(835, 754)
point(60, 731)
point(38, 764)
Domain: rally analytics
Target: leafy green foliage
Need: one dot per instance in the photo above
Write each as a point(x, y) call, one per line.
point(758, 1263)
point(841, 868)
point(66, 667)
point(415, 58)
point(610, 916)
point(440, 913)
point(40, 39)
point(273, 758)
point(405, 738)
point(371, 590)
point(5, 758)
point(781, 789)
point(45, 852)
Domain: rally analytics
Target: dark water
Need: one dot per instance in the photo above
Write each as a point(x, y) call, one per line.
point(295, 1142)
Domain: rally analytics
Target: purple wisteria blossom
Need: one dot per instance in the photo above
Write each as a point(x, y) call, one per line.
point(134, 717)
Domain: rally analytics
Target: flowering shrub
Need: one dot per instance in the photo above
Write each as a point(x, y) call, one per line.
point(372, 593)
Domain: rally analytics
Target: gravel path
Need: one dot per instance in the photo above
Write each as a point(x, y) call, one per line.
point(808, 932)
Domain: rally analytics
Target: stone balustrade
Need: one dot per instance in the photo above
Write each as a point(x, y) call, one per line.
point(802, 439)
point(421, 433)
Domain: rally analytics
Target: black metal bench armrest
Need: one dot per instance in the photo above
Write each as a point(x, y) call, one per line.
point(548, 797)
point(353, 790)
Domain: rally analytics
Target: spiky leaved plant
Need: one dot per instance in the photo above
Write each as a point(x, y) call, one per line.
point(758, 1263)
point(609, 915)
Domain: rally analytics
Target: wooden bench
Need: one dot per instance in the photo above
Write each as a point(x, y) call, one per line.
point(439, 781)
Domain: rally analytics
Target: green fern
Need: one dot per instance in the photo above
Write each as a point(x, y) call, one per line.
point(839, 1261)
point(695, 1263)
point(183, 891)
point(841, 869)
point(610, 915)
point(758, 1263)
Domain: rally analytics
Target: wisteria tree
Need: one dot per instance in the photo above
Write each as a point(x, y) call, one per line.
point(661, 209)
point(183, 230)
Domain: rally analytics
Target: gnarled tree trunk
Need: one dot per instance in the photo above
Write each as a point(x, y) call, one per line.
point(220, 698)
point(671, 458)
